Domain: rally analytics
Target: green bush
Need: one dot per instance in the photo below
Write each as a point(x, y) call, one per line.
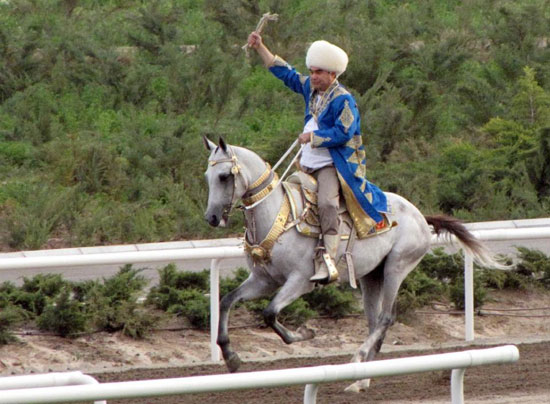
point(441, 266)
point(114, 305)
point(297, 313)
point(417, 290)
point(183, 293)
point(10, 316)
point(33, 295)
point(534, 264)
point(456, 291)
point(139, 322)
point(230, 283)
point(64, 316)
point(191, 304)
point(333, 300)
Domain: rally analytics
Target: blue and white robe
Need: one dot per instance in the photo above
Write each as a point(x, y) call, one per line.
point(339, 125)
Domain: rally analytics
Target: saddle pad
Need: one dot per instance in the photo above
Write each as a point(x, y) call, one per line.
point(308, 224)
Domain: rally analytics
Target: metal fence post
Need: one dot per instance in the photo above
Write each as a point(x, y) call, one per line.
point(469, 296)
point(214, 308)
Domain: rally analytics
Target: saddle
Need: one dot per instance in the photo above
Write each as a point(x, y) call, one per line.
point(301, 191)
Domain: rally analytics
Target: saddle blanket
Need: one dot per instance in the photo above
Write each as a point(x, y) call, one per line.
point(301, 189)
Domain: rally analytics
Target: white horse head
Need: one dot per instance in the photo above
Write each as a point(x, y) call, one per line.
point(230, 171)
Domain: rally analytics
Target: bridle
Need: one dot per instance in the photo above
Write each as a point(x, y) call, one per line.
point(255, 194)
point(258, 191)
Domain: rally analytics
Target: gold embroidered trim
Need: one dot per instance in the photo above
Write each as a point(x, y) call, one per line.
point(261, 253)
point(262, 178)
point(363, 222)
point(346, 117)
point(316, 107)
point(256, 197)
point(317, 140)
point(278, 61)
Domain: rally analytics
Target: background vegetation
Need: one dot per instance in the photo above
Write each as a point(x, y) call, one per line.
point(103, 104)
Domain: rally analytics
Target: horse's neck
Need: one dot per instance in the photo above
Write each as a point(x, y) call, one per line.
point(260, 218)
point(254, 164)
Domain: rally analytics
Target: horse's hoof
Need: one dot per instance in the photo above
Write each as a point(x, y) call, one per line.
point(233, 362)
point(305, 333)
point(358, 387)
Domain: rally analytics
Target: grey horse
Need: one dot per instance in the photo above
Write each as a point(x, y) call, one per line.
point(381, 262)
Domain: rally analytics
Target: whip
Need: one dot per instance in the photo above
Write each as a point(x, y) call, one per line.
point(263, 21)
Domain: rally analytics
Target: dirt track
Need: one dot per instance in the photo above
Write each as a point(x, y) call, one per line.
point(527, 381)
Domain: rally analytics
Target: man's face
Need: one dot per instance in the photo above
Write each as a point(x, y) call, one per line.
point(321, 79)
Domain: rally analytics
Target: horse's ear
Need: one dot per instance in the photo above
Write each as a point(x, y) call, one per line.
point(208, 143)
point(223, 145)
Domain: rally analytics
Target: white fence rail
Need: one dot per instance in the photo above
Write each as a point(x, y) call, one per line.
point(309, 376)
point(216, 254)
point(47, 380)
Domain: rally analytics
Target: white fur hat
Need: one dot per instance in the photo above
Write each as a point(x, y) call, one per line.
point(326, 56)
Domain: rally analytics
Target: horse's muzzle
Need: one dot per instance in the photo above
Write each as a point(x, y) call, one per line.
point(217, 221)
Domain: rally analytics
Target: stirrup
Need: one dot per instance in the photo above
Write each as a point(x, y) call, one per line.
point(327, 273)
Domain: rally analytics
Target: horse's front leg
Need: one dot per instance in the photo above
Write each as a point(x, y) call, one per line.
point(294, 287)
point(251, 288)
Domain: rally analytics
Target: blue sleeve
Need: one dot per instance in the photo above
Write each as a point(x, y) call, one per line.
point(288, 75)
point(346, 122)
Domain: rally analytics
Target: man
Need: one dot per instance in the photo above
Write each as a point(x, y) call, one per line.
point(333, 151)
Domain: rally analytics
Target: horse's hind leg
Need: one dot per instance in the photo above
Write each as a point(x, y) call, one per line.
point(293, 288)
point(252, 288)
point(371, 288)
point(395, 271)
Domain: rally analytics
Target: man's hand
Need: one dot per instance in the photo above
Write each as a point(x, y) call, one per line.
point(254, 40)
point(305, 137)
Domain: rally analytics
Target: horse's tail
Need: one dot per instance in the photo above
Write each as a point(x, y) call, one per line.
point(473, 246)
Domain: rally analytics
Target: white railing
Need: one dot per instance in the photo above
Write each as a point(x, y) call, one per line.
point(46, 380)
point(311, 377)
point(216, 254)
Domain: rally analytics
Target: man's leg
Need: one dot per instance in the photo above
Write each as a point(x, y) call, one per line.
point(328, 200)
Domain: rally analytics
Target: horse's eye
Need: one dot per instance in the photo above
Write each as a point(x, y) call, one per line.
point(224, 177)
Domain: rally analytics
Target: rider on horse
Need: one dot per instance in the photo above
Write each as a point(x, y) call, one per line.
point(333, 153)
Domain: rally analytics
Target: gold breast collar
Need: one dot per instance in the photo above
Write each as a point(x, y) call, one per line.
point(260, 253)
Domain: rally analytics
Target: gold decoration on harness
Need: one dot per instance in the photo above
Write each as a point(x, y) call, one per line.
point(256, 197)
point(262, 178)
point(261, 253)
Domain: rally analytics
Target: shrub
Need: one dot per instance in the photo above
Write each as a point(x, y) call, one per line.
point(230, 283)
point(441, 266)
point(456, 291)
point(191, 304)
point(332, 300)
point(32, 296)
point(182, 293)
point(65, 316)
point(126, 285)
point(114, 305)
point(534, 264)
point(418, 289)
point(139, 322)
point(9, 317)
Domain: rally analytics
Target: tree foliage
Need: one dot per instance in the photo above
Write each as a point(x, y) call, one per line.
point(103, 106)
